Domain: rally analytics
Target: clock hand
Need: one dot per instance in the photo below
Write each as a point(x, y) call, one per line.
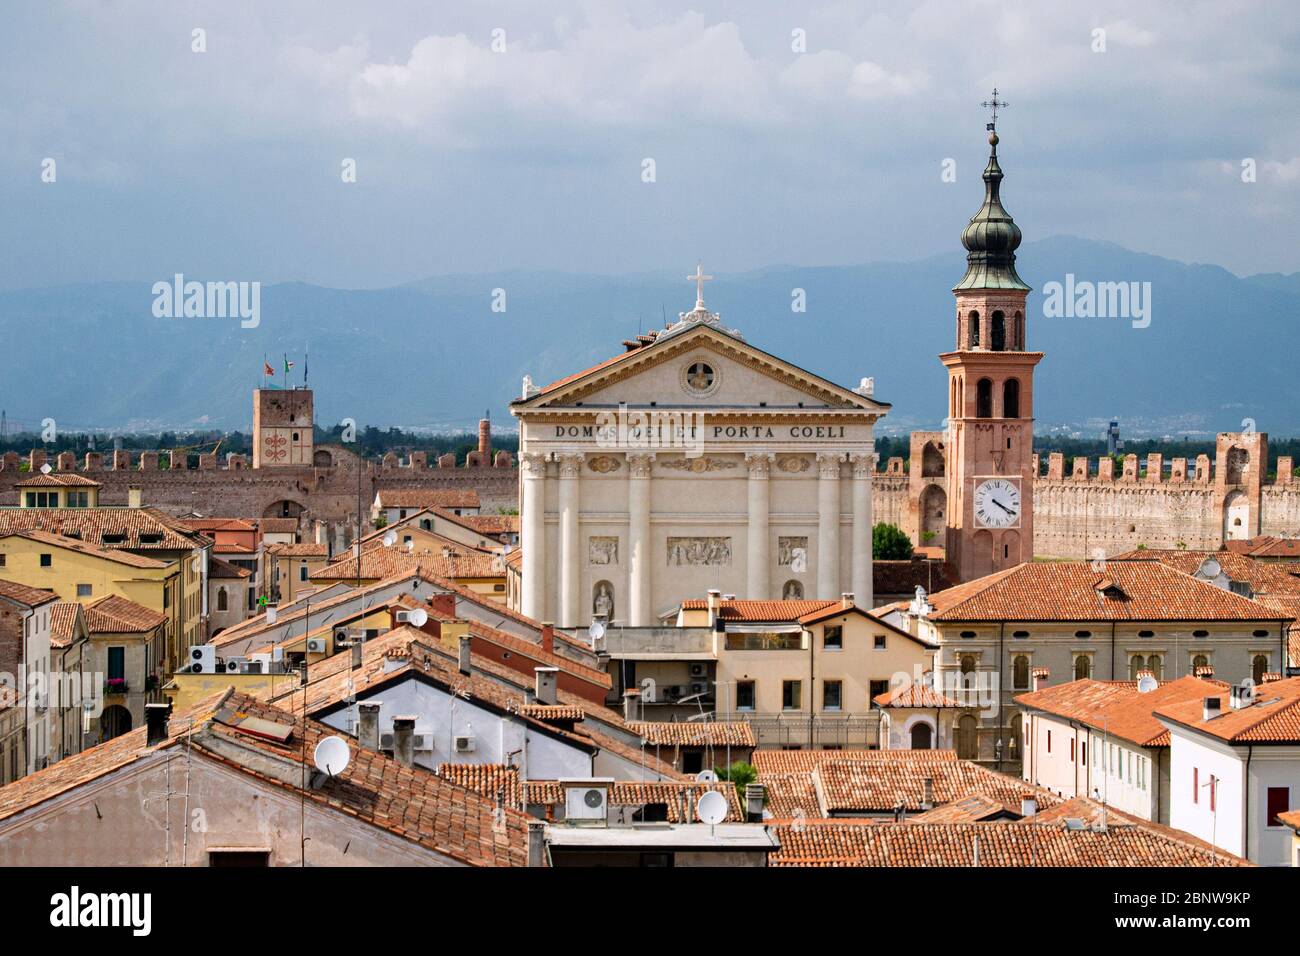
point(1002, 506)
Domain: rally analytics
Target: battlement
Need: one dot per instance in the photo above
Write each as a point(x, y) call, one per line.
point(325, 457)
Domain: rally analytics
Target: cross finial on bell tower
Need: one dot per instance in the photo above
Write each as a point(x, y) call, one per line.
point(699, 279)
point(994, 105)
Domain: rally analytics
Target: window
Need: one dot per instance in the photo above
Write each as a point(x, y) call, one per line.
point(999, 336)
point(302, 571)
point(984, 398)
point(47, 560)
point(832, 694)
point(1011, 398)
point(968, 634)
point(876, 688)
point(1071, 750)
point(1083, 753)
point(223, 600)
point(117, 663)
point(974, 328)
point(1279, 801)
point(1019, 635)
point(922, 736)
point(1196, 785)
point(744, 695)
point(967, 739)
point(791, 695)
point(1020, 672)
point(2, 560)
point(1146, 633)
point(833, 637)
point(1082, 667)
point(1214, 786)
point(878, 642)
point(1258, 668)
point(1049, 741)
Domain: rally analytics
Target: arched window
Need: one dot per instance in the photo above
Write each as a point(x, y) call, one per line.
point(922, 736)
point(1258, 668)
point(968, 664)
point(967, 742)
point(984, 399)
point(1011, 398)
point(999, 334)
point(1199, 661)
point(1018, 332)
point(1082, 667)
point(1137, 663)
point(1156, 666)
point(973, 328)
point(792, 591)
point(1020, 672)
point(1013, 737)
point(223, 601)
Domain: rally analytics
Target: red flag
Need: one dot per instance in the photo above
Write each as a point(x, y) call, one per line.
point(267, 370)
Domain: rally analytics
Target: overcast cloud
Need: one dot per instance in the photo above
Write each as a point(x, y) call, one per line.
point(226, 164)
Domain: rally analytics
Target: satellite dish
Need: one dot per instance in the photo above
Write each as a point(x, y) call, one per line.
point(419, 617)
point(332, 756)
point(1211, 568)
point(596, 631)
point(711, 808)
point(707, 776)
point(1147, 683)
point(46, 469)
point(410, 546)
point(390, 538)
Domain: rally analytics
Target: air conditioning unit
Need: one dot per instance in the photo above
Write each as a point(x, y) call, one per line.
point(698, 670)
point(700, 687)
point(403, 617)
point(586, 802)
point(464, 743)
point(423, 741)
point(203, 659)
point(253, 667)
point(315, 645)
point(386, 740)
point(235, 665)
point(263, 661)
point(674, 692)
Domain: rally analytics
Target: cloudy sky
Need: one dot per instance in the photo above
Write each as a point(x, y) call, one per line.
point(227, 164)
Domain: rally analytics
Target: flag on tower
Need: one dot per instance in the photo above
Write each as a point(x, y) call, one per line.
point(266, 369)
point(287, 365)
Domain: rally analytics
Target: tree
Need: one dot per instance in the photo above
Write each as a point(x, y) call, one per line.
point(739, 773)
point(890, 543)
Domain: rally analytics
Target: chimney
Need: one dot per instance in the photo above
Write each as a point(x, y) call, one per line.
point(443, 604)
point(846, 600)
point(368, 731)
point(1039, 677)
point(357, 647)
point(404, 740)
point(155, 718)
point(548, 637)
point(545, 680)
point(1213, 707)
point(1028, 805)
point(631, 697)
point(900, 811)
point(755, 797)
point(464, 656)
point(134, 496)
point(927, 793)
point(536, 843)
point(714, 596)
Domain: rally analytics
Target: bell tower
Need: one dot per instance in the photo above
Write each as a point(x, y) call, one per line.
point(990, 476)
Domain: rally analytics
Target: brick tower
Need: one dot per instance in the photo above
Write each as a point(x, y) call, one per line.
point(282, 427)
point(990, 479)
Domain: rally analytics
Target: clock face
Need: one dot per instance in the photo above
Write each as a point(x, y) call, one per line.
point(997, 503)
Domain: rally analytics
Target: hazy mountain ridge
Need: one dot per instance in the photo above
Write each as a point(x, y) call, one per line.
point(434, 353)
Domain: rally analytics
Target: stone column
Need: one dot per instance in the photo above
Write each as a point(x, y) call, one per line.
point(863, 465)
point(570, 552)
point(640, 613)
point(533, 535)
point(828, 526)
point(758, 556)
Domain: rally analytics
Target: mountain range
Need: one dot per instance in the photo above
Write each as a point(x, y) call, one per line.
point(435, 353)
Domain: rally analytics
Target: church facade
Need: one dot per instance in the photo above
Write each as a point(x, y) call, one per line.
point(692, 461)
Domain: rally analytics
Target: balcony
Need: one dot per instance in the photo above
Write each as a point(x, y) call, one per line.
point(115, 687)
point(852, 731)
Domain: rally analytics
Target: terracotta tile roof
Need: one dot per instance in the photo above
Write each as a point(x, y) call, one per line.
point(886, 844)
point(298, 550)
point(277, 525)
point(915, 695)
point(136, 529)
point(792, 796)
point(1262, 576)
point(63, 623)
point(531, 649)
point(849, 787)
point(972, 808)
point(224, 569)
point(1291, 818)
point(380, 562)
point(82, 547)
point(553, 713)
point(490, 524)
point(1073, 591)
point(1268, 546)
point(218, 524)
point(802, 761)
point(696, 733)
point(118, 615)
point(1274, 718)
point(57, 479)
point(495, 781)
point(761, 611)
point(1116, 706)
point(428, 498)
point(23, 594)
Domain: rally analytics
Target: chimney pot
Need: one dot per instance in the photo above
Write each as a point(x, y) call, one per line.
point(465, 656)
point(155, 716)
point(134, 496)
point(755, 797)
point(545, 679)
point(368, 725)
point(1213, 707)
point(1028, 805)
point(631, 697)
point(404, 740)
point(927, 793)
point(846, 599)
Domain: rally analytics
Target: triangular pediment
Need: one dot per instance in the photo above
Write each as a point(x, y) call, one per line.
point(702, 366)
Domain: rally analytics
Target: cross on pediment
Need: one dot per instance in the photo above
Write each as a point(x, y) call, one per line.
point(699, 279)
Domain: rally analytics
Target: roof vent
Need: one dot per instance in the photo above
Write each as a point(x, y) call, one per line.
point(1213, 707)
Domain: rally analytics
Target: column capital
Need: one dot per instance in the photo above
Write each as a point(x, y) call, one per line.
point(863, 464)
point(760, 463)
point(534, 464)
point(570, 464)
point(828, 463)
point(638, 464)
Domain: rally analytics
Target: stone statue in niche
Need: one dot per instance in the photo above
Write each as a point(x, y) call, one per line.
point(602, 550)
point(696, 552)
point(603, 603)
